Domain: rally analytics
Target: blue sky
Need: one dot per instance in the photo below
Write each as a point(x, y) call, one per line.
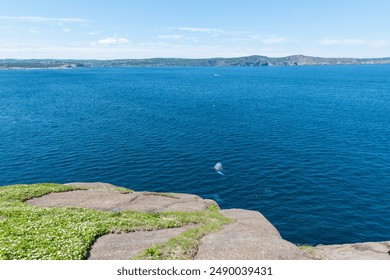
point(97, 29)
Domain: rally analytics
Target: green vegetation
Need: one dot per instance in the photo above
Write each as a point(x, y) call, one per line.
point(30, 232)
point(185, 245)
point(308, 249)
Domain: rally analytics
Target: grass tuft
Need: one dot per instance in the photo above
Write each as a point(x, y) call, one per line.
point(307, 249)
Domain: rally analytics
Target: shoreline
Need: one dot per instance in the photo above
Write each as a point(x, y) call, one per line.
point(222, 234)
point(245, 61)
point(345, 251)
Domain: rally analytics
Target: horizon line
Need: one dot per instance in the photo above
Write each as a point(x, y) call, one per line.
point(200, 58)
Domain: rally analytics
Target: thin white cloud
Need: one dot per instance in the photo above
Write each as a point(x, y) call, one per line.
point(242, 36)
point(165, 49)
point(343, 42)
point(140, 50)
point(355, 42)
point(66, 29)
point(42, 19)
point(274, 40)
point(170, 36)
point(36, 31)
point(379, 43)
point(232, 35)
point(111, 41)
point(93, 33)
point(202, 30)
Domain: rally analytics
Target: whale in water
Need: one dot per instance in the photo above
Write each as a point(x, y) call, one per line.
point(218, 167)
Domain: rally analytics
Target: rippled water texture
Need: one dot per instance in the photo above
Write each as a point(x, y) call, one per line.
point(309, 147)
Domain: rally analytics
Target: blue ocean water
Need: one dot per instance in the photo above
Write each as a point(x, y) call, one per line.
point(309, 147)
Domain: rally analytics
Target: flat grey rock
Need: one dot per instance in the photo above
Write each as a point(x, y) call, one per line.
point(99, 199)
point(106, 199)
point(251, 237)
point(125, 246)
point(354, 251)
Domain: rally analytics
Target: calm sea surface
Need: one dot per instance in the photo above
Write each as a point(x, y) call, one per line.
point(309, 147)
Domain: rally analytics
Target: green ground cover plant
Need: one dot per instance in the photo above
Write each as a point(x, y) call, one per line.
point(66, 233)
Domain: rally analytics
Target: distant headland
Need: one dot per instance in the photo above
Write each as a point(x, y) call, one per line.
point(248, 61)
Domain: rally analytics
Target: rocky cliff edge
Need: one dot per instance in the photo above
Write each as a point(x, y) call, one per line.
point(249, 237)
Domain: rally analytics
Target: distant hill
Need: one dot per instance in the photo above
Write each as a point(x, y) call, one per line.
point(254, 60)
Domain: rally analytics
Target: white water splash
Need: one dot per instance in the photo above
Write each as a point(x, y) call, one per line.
point(218, 167)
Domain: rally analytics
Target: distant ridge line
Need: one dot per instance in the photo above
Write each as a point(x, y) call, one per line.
point(249, 61)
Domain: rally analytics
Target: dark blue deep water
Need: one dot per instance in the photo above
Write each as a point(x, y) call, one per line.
point(309, 147)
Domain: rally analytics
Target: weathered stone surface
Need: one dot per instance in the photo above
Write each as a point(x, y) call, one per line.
point(127, 245)
point(107, 200)
point(99, 199)
point(92, 184)
point(354, 251)
point(251, 237)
